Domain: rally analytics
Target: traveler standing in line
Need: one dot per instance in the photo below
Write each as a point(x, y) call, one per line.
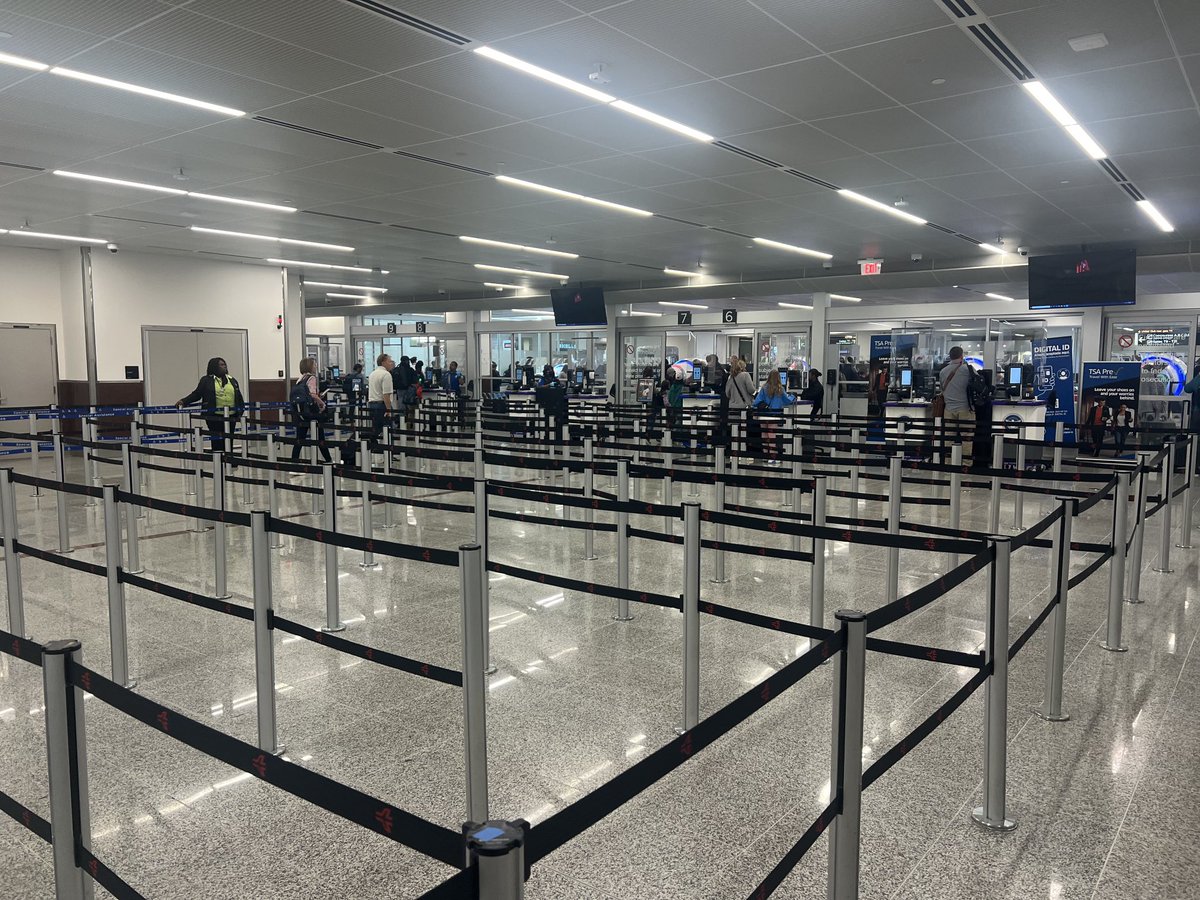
point(354, 386)
point(379, 394)
point(814, 393)
point(772, 398)
point(308, 406)
point(739, 392)
point(454, 386)
point(404, 379)
point(1124, 421)
point(217, 391)
point(954, 379)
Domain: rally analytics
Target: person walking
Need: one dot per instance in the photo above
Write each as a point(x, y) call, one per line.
point(308, 406)
point(955, 378)
point(216, 392)
point(772, 399)
point(379, 394)
point(1094, 421)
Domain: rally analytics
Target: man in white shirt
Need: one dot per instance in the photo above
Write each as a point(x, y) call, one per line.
point(379, 393)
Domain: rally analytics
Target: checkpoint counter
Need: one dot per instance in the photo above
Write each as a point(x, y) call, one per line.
point(1019, 412)
point(907, 413)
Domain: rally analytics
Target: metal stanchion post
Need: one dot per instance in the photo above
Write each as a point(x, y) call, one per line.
point(60, 497)
point(87, 433)
point(187, 439)
point(668, 491)
point(219, 548)
point(133, 555)
point(1185, 534)
point(1019, 495)
point(589, 484)
point(997, 465)
point(198, 441)
point(245, 452)
point(956, 456)
point(816, 607)
point(691, 615)
point(497, 852)
point(719, 576)
point(272, 496)
point(1116, 565)
point(333, 614)
point(846, 768)
point(388, 493)
point(472, 573)
point(1139, 528)
point(34, 452)
point(364, 463)
point(66, 756)
point(856, 456)
point(1165, 489)
point(894, 506)
point(995, 701)
point(1056, 635)
point(118, 630)
point(485, 587)
point(264, 639)
point(623, 614)
point(1059, 434)
point(12, 560)
point(565, 447)
point(312, 460)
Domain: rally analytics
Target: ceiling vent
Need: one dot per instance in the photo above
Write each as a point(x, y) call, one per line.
point(442, 162)
point(746, 153)
point(12, 165)
point(1000, 51)
point(382, 9)
point(318, 133)
point(960, 9)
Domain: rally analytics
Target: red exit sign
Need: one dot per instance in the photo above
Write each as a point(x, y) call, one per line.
point(870, 266)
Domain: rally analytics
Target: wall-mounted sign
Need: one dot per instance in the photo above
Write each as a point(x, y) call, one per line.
point(1125, 341)
point(422, 327)
point(131, 373)
point(685, 318)
point(391, 327)
point(729, 316)
point(1163, 337)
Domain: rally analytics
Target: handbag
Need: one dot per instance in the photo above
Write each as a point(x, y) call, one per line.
point(938, 407)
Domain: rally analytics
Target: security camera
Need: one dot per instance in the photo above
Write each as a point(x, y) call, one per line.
point(915, 257)
point(112, 248)
point(597, 75)
point(826, 265)
point(1024, 251)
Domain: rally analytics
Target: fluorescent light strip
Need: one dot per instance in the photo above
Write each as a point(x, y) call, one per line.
point(271, 237)
point(120, 182)
point(504, 287)
point(507, 246)
point(1158, 218)
point(991, 248)
point(638, 312)
point(778, 245)
point(350, 287)
point(353, 296)
point(238, 201)
point(682, 273)
point(882, 207)
point(21, 62)
point(536, 312)
point(1042, 95)
point(571, 195)
point(683, 305)
point(145, 91)
point(317, 265)
point(529, 272)
point(544, 74)
point(793, 305)
point(663, 121)
point(55, 237)
point(1000, 297)
point(1086, 141)
point(844, 297)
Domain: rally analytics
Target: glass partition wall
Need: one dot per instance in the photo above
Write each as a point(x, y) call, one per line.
point(1166, 349)
point(509, 351)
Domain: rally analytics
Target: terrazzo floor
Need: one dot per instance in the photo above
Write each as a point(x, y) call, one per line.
point(1102, 801)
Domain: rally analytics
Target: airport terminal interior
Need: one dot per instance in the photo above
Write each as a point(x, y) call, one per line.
point(594, 449)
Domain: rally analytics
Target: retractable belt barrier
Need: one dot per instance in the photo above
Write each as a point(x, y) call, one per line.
point(354, 542)
point(586, 587)
point(191, 597)
point(893, 612)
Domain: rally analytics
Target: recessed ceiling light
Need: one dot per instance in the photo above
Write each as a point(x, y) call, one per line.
point(794, 305)
point(682, 273)
point(991, 248)
point(507, 246)
point(120, 182)
point(779, 245)
point(500, 286)
point(571, 195)
point(271, 237)
point(536, 312)
point(350, 287)
point(352, 296)
point(21, 62)
point(670, 124)
point(638, 312)
point(882, 207)
point(238, 201)
point(21, 232)
point(1086, 141)
point(684, 305)
point(938, 81)
point(528, 272)
point(1158, 218)
point(1078, 133)
point(319, 265)
point(145, 91)
point(1087, 42)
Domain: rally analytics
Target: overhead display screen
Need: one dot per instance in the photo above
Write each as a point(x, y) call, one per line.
point(1068, 280)
point(578, 306)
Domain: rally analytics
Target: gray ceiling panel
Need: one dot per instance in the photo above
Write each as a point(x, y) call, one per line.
point(1183, 24)
point(1177, 162)
point(489, 20)
point(613, 129)
point(684, 29)
point(634, 170)
point(388, 174)
point(703, 161)
point(906, 67)
point(1005, 110)
point(1130, 91)
point(1073, 173)
point(108, 18)
point(770, 183)
point(799, 146)
point(713, 107)
point(41, 40)
point(462, 152)
point(979, 184)
point(850, 23)
point(436, 112)
point(1139, 134)
point(938, 160)
point(325, 115)
point(1134, 31)
point(884, 129)
point(811, 89)
point(856, 172)
point(1032, 148)
point(533, 141)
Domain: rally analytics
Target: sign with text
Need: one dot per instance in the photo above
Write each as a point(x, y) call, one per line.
point(870, 267)
point(391, 327)
point(422, 327)
point(1054, 382)
point(685, 318)
point(729, 316)
point(1110, 384)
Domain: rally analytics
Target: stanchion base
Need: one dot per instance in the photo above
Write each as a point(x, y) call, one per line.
point(981, 820)
point(590, 558)
point(130, 684)
point(389, 527)
point(328, 630)
point(1184, 546)
point(1061, 717)
point(1117, 649)
point(370, 567)
point(223, 597)
point(134, 571)
point(718, 581)
point(1134, 601)
point(1163, 571)
point(490, 669)
point(623, 618)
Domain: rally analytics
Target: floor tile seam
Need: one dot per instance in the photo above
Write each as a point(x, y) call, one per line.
point(1154, 741)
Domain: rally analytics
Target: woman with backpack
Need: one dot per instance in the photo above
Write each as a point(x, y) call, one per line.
point(217, 391)
point(308, 406)
point(772, 398)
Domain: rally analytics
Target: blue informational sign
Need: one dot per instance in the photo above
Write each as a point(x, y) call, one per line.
point(1054, 382)
point(1111, 384)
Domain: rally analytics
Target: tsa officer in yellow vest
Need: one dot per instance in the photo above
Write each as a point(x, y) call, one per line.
point(217, 391)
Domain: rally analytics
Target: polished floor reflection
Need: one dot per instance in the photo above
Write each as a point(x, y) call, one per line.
point(1102, 801)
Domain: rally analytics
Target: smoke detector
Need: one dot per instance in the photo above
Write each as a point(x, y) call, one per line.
point(597, 74)
point(899, 203)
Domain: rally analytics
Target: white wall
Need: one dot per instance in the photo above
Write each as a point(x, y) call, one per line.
point(134, 289)
point(31, 293)
point(331, 326)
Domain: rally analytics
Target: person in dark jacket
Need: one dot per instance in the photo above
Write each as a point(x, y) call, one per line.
point(216, 392)
point(404, 381)
point(814, 393)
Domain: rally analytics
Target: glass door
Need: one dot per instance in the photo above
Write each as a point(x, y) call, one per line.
point(787, 350)
point(1164, 350)
point(642, 356)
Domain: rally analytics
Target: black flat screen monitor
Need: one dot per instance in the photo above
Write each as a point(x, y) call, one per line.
point(1101, 278)
point(697, 375)
point(578, 306)
point(1014, 375)
point(335, 372)
point(793, 379)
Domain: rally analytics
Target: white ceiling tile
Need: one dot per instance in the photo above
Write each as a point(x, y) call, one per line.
point(527, 140)
point(811, 89)
point(1183, 24)
point(1138, 134)
point(713, 107)
point(427, 109)
point(610, 128)
point(109, 18)
point(850, 23)
point(937, 160)
point(489, 20)
point(1130, 91)
point(798, 146)
point(1005, 110)
point(884, 129)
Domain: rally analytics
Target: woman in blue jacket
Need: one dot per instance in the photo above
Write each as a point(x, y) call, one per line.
point(772, 398)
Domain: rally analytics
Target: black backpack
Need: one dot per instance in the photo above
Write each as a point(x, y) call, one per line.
point(977, 391)
point(301, 401)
